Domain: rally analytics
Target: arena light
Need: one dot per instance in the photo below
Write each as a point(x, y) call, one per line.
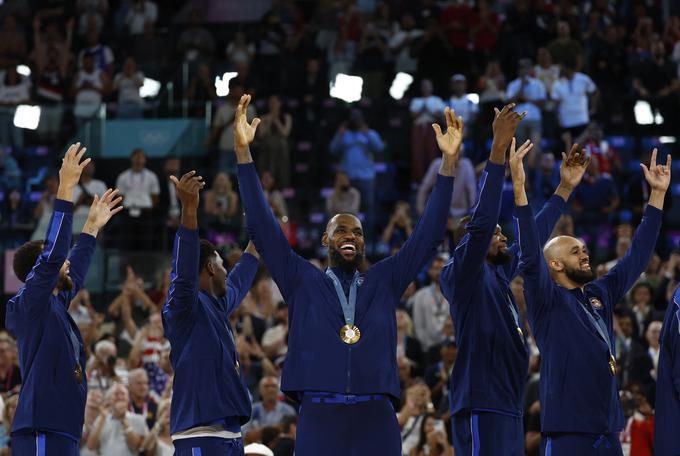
point(643, 113)
point(401, 83)
point(150, 88)
point(658, 118)
point(473, 97)
point(222, 83)
point(24, 70)
point(27, 116)
point(667, 139)
point(346, 87)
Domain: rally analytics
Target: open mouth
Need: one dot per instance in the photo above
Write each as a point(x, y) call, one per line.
point(348, 248)
point(585, 265)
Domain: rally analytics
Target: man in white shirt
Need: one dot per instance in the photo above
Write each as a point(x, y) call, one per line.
point(461, 102)
point(425, 110)
point(83, 195)
point(140, 190)
point(116, 430)
point(529, 93)
point(576, 96)
point(430, 309)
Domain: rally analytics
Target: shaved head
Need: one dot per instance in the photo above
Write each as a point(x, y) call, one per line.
point(568, 261)
point(341, 218)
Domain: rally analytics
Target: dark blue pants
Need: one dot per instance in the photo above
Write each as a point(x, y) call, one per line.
point(208, 446)
point(581, 444)
point(364, 428)
point(48, 444)
point(487, 434)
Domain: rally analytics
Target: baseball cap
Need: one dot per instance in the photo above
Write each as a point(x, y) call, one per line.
point(257, 449)
point(458, 77)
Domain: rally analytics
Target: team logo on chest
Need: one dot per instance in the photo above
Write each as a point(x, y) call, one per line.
point(596, 303)
point(360, 281)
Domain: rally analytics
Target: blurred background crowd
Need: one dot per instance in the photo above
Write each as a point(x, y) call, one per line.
point(347, 91)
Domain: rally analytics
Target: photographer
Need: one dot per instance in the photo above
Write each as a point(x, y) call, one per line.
point(411, 416)
point(344, 199)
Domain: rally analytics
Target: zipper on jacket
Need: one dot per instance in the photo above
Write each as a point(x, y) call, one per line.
point(349, 369)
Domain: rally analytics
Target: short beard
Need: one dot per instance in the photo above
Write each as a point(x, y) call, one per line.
point(345, 265)
point(578, 276)
point(499, 258)
point(65, 283)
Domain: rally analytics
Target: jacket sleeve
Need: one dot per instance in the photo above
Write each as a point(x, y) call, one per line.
point(538, 285)
point(264, 230)
point(80, 258)
point(34, 296)
point(621, 277)
point(470, 254)
point(183, 292)
point(240, 280)
point(422, 244)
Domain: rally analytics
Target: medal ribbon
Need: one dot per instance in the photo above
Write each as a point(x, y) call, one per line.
point(348, 306)
point(600, 327)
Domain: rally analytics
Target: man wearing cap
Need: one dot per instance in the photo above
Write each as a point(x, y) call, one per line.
point(487, 381)
point(529, 93)
point(459, 101)
point(341, 361)
point(666, 436)
point(571, 317)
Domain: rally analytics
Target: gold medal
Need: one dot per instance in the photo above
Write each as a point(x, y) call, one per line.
point(350, 334)
point(78, 373)
point(237, 367)
point(612, 365)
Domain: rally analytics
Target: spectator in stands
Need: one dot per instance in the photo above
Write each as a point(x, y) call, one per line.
point(372, 55)
point(101, 53)
point(141, 402)
point(117, 431)
point(239, 51)
point(52, 58)
point(15, 90)
point(7, 419)
point(635, 365)
point(437, 375)
point(222, 133)
point(356, 146)
point(576, 97)
point(10, 173)
point(461, 103)
point(83, 195)
point(285, 444)
point(43, 210)
point(430, 308)
point(159, 441)
point(545, 70)
point(433, 439)
point(221, 216)
point(652, 337)
point(407, 345)
point(168, 204)
point(656, 80)
point(269, 411)
point(609, 67)
point(139, 14)
point(275, 338)
point(492, 84)
point(398, 229)
point(10, 376)
point(201, 90)
point(92, 14)
point(529, 94)
point(150, 51)
point(196, 42)
point(140, 189)
point(402, 44)
point(425, 110)
point(101, 373)
point(639, 431)
point(641, 296)
point(273, 152)
point(416, 408)
point(13, 45)
point(89, 87)
point(341, 55)
point(564, 48)
point(128, 83)
point(344, 199)
point(93, 406)
point(484, 25)
point(274, 196)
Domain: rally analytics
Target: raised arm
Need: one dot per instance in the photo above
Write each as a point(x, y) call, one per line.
point(421, 245)
point(471, 252)
point(263, 228)
point(183, 291)
point(101, 211)
point(241, 277)
point(674, 339)
point(622, 276)
point(43, 278)
point(538, 285)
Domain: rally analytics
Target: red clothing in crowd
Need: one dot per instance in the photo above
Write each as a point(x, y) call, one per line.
point(639, 434)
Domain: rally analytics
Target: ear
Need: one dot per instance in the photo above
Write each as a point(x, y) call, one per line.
point(555, 265)
point(210, 267)
point(324, 239)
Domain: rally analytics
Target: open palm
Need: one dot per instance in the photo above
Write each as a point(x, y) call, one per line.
point(102, 209)
point(449, 142)
point(658, 176)
point(573, 166)
point(516, 160)
point(244, 132)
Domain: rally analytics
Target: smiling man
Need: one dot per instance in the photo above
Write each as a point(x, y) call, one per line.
point(571, 316)
point(49, 415)
point(341, 362)
point(487, 381)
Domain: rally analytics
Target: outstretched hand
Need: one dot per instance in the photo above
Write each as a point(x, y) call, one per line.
point(72, 166)
point(658, 176)
point(449, 143)
point(244, 132)
point(188, 188)
point(504, 125)
point(102, 209)
point(573, 167)
point(516, 161)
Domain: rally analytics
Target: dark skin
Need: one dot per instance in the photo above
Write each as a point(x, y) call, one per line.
point(213, 277)
point(343, 230)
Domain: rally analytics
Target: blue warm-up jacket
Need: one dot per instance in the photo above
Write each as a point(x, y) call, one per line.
point(208, 387)
point(667, 419)
point(491, 367)
point(578, 392)
point(48, 340)
point(317, 359)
